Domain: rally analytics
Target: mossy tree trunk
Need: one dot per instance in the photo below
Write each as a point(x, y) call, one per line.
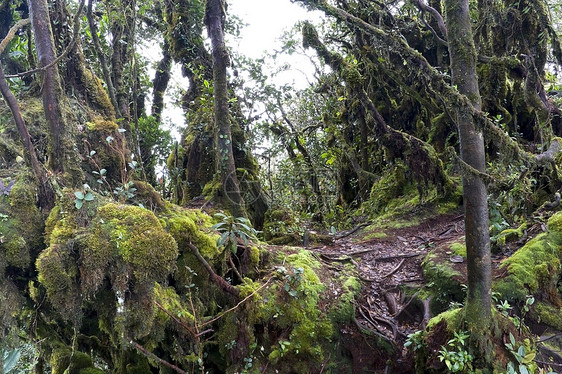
point(51, 85)
point(215, 20)
point(160, 82)
point(46, 194)
point(463, 67)
point(101, 57)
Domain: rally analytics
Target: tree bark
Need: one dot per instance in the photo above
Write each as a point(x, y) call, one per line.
point(51, 85)
point(463, 67)
point(101, 58)
point(160, 82)
point(215, 19)
point(46, 194)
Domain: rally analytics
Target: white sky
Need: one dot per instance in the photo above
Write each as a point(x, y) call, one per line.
point(266, 19)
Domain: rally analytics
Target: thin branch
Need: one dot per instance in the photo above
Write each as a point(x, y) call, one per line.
point(436, 16)
point(177, 320)
point(64, 54)
point(396, 268)
point(151, 355)
point(12, 32)
point(214, 276)
point(237, 305)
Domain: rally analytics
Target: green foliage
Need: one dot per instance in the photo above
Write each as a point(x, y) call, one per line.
point(125, 191)
point(83, 196)
point(415, 340)
point(155, 142)
point(232, 229)
point(524, 355)
point(455, 354)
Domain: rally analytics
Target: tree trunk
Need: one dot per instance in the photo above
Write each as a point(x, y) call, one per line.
point(463, 67)
point(160, 82)
point(214, 19)
point(46, 194)
point(51, 86)
point(101, 57)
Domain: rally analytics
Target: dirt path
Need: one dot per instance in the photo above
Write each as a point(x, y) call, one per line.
point(389, 264)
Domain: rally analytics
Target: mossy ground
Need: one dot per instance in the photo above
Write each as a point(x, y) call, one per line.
point(535, 268)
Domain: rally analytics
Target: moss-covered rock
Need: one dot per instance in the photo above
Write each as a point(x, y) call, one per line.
point(65, 361)
point(21, 222)
point(548, 314)
point(535, 268)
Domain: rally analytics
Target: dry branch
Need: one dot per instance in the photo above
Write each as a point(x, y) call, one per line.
point(151, 355)
point(12, 32)
point(223, 284)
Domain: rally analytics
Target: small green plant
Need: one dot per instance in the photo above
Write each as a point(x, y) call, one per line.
point(415, 340)
point(456, 356)
point(291, 280)
point(125, 192)
point(284, 347)
point(524, 355)
point(504, 307)
point(82, 196)
point(232, 229)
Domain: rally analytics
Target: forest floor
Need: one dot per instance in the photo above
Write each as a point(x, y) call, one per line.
point(393, 301)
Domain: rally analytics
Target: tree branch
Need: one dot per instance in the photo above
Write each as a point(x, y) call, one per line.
point(63, 55)
point(151, 355)
point(12, 32)
point(214, 276)
point(436, 16)
point(434, 81)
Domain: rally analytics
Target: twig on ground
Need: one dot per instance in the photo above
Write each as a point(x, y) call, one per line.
point(396, 268)
point(353, 230)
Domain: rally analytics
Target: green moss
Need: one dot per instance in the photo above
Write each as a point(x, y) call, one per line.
point(392, 185)
point(459, 249)
point(344, 310)
point(91, 371)
point(171, 302)
point(444, 282)
point(375, 235)
point(555, 224)
point(212, 189)
point(296, 328)
point(102, 124)
point(509, 235)
point(534, 266)
point(254, 256)
point(548, 314)
point(64, 361)
point(453, 318)
point(131, 235)
point(58, 273)
point(96, 93)
point(148, 197)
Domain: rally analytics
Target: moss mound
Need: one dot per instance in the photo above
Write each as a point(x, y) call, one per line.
point(535, 267)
